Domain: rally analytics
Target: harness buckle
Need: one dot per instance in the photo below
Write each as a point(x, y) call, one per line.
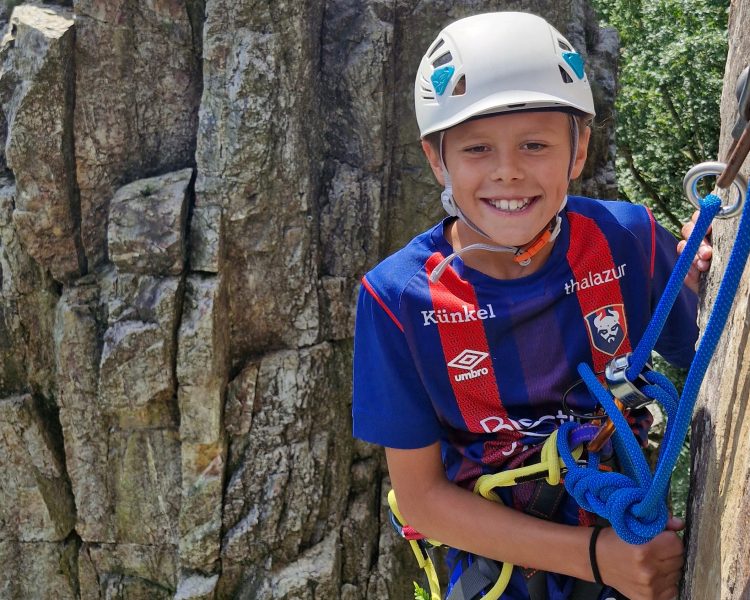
point(621, 387)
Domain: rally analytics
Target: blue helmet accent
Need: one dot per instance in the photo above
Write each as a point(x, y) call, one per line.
point(575, 61)
point(440, 78)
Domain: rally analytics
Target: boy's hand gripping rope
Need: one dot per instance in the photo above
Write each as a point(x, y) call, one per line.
point(634, 501)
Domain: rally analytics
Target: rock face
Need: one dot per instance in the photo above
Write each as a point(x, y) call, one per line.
point(718, 559)
point(137, 88)
point(37, 83)
point(190, 194)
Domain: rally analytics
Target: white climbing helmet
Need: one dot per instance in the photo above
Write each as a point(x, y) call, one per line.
point(497, 62)
point(493, 63)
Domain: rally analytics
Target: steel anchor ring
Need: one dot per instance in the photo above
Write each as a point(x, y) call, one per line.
point(708, 169)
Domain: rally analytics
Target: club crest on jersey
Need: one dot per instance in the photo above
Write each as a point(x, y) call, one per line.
point(607, 328)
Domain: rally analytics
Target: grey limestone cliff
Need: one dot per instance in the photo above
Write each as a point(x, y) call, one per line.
point(190, 193)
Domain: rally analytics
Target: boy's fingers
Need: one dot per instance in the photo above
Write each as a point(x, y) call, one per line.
point(687, 229)
point(670, 592)
point(705, 251)
point(675, 524)
point(692, 279)
point(667, 546)
point(671, 568)
point(701, 262)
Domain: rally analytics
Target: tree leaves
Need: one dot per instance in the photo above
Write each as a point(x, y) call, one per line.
point(670, 81)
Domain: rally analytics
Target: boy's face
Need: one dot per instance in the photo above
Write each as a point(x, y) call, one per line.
point(510, 172)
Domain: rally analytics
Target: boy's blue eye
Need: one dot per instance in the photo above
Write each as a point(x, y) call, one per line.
point(477, 149)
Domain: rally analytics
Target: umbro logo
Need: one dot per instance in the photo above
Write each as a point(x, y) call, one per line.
point(467, 361)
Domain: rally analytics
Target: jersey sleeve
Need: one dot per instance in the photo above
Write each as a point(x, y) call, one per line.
point(677, 341)
point(390, 406)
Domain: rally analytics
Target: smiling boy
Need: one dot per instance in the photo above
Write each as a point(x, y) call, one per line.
point(510, 174)
point(467, 338)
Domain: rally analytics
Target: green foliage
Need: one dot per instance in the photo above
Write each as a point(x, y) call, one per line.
point(680, 483)
point(671, 71)
point(420, 593)
point(673, 54)
point(11, 4)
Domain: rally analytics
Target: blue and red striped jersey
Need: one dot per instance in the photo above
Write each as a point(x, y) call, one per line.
point(481, 364)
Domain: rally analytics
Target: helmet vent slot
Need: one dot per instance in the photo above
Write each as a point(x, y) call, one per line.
point(519, 105)
point(565, 76)
point(438, 44)
point(564, 46)
point(443, 59)
point(460, 88)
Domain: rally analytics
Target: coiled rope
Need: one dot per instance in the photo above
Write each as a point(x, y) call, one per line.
point(635, 501)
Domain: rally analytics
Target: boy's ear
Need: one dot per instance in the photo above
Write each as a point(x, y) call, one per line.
point(584, 137)
point(433, 157)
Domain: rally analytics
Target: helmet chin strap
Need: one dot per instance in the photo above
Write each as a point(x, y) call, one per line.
point(522, 254)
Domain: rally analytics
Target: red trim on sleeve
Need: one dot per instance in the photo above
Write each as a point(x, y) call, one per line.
point(653, 240)
point(379, 300)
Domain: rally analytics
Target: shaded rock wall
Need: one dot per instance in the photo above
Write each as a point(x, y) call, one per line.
point(190, 193)
point(718, 559)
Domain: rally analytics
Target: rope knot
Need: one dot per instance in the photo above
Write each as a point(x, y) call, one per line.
point(622, 512)
point(614, 496)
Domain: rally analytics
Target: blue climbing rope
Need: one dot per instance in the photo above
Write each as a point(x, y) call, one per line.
point(635, 501)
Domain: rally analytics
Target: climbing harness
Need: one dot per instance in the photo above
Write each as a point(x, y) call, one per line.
point(634, 501)
point(484, 572)
point(420, 545)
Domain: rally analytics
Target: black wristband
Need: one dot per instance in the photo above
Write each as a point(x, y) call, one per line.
point(592, 554)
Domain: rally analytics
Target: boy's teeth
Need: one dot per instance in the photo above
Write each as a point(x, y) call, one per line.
point(515, 204)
